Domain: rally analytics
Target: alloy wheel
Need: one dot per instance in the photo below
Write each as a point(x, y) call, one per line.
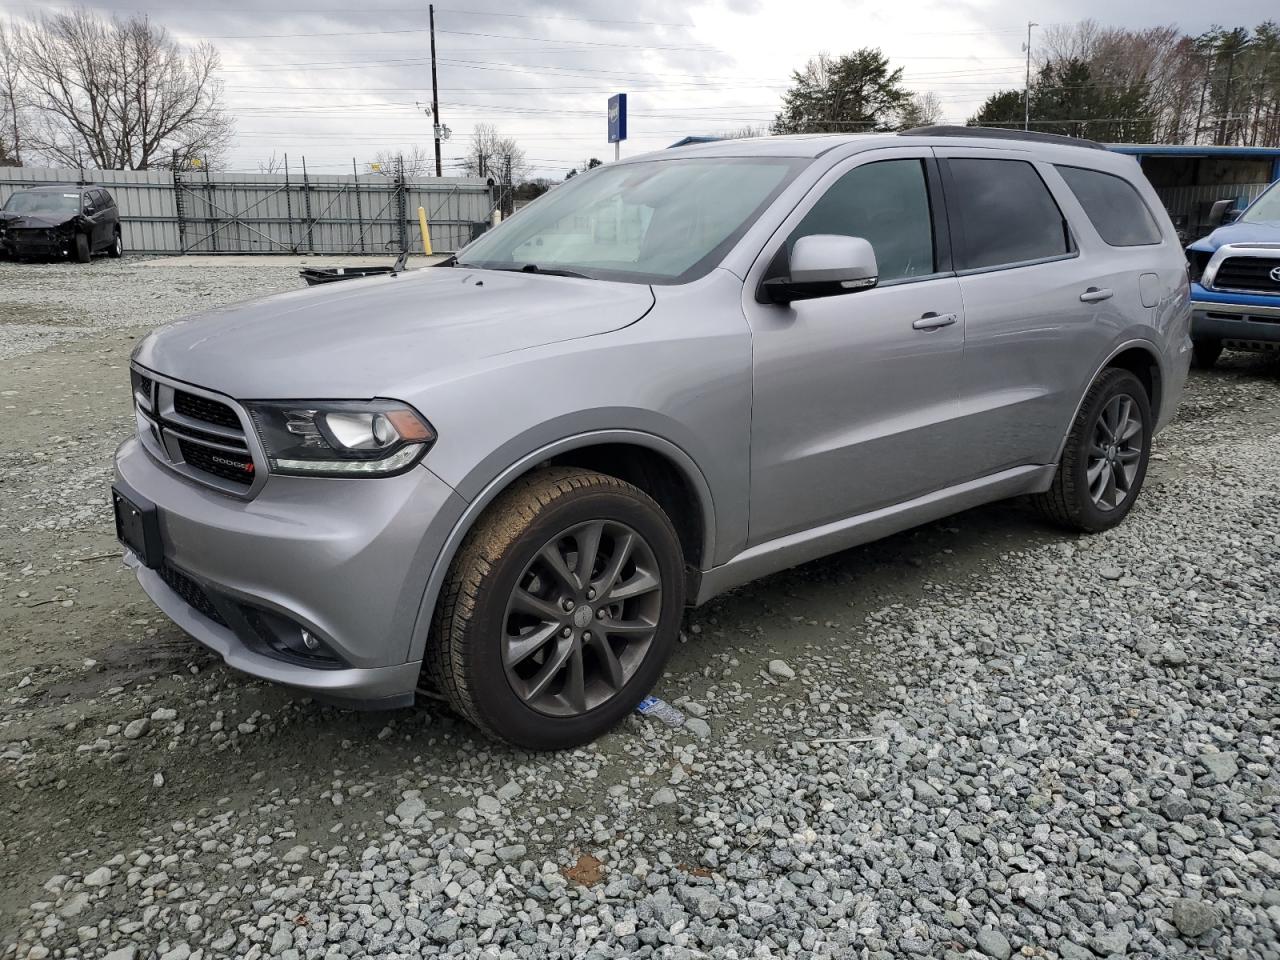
point(1115, 452)
point(581, 618)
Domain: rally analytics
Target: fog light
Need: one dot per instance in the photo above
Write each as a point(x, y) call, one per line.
point(310, 642)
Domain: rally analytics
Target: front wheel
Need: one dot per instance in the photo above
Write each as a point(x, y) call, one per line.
point(81, 250)
point(560, 609)
point(1104, 461)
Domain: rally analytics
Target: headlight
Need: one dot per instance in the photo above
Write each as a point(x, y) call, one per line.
point(337, 439)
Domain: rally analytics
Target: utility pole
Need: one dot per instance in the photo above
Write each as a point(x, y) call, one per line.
point(1026, 93)
point(435, 99)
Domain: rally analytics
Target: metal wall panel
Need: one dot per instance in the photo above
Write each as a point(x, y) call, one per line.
point(246, 213)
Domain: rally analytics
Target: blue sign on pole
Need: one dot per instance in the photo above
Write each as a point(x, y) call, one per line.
point(617, 118)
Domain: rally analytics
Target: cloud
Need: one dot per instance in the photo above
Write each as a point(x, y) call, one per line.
point(333, 83)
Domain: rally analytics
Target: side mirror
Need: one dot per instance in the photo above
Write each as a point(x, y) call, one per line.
point(89, 210)
point(824, 265)
point(1232, 215)
point(1222, 211)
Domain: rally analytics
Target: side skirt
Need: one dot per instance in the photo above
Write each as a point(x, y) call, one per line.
point(797, 548)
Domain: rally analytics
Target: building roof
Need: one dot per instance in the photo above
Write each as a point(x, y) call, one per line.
point(1191, 150)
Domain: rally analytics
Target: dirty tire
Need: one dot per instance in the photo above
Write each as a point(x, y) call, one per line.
point(1067, 502)
point(81, 251)
point(464, 656)
point(1205, 353)
point(116, 250)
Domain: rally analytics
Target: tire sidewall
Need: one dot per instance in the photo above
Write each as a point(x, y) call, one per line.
point(493, 696)
point(1090, 515)
point(117, 246)
point(83, 251)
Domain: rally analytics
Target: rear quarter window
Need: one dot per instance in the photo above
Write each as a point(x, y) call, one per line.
point(1115, 208)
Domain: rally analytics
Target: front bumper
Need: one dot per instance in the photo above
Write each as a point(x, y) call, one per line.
point(346, 559)
point(1238, 318)
point(36, 246)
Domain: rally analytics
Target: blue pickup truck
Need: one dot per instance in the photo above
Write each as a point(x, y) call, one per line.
point(1235, 283)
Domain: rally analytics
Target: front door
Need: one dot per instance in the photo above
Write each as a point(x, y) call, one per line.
point(853, 394)
point(97, 215)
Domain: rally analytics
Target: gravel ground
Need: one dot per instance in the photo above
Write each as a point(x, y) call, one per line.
point(984, 738)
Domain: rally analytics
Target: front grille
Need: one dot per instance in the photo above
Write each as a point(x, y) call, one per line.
point(236, 467)
point(143, 388)
point(200, 436)
point(202, 408)
point(192, 593)
point(1247, 273)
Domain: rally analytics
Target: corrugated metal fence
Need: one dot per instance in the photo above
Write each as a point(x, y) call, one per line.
point(221, 212)
point(1189, 206)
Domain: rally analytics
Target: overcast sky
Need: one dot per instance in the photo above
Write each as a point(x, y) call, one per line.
point(340, 81)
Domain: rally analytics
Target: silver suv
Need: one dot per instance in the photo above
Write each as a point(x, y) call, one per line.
point(501, 480)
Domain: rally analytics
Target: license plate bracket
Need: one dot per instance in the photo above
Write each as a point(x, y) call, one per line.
point(137, 525)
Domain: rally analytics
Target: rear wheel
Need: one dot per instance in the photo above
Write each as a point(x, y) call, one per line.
point(116, 250)
point(1205, 353)
point(560, 610)
point(81, 249)
point(1104, 461)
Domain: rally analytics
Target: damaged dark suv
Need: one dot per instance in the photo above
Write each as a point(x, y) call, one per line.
point(74, 221)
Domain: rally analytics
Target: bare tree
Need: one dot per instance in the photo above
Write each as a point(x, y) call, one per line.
point(11, 100)
point(743, 133)
point(418, 161)
point(489, 154)
point(922, 110)
point(273, 164)
point(119, 94)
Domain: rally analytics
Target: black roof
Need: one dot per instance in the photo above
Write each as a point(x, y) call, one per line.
point(997, 133)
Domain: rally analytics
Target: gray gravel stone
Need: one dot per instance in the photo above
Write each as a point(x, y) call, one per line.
point(780, 669)
point(136, 728)
point(1193, 918)
point(994, 944)
point(1221, 766)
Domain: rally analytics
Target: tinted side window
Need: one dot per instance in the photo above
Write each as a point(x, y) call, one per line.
point(885, 203)
point(1004, 213)
point(1114, 207)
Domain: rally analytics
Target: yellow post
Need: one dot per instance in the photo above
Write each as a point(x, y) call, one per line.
point(426, 232)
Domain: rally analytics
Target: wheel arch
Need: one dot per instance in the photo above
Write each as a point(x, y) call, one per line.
point(1139, 357)
point(656, 465)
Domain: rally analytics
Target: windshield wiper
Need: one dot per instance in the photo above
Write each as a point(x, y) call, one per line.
point(551, 272)
point(525, 268)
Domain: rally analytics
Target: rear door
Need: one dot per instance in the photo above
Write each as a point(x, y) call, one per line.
point(853, 394)
point(1028, 332)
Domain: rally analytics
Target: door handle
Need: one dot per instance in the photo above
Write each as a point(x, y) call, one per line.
point(1094, 295)
point(934, 321)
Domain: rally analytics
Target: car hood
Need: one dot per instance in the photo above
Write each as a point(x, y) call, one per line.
point(383, 336)
point(40, 221)
point(1267, 231)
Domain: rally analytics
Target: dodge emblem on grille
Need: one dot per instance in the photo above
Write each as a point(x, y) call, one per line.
point(236, 464)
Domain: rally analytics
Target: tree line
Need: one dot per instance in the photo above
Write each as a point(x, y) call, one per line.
point(1157, 85)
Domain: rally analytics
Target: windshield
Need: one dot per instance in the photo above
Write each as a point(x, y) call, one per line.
point(1266, 208)
point(661, 221)
point(43, 203)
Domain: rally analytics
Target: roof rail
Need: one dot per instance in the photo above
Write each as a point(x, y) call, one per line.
point(996, 133)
